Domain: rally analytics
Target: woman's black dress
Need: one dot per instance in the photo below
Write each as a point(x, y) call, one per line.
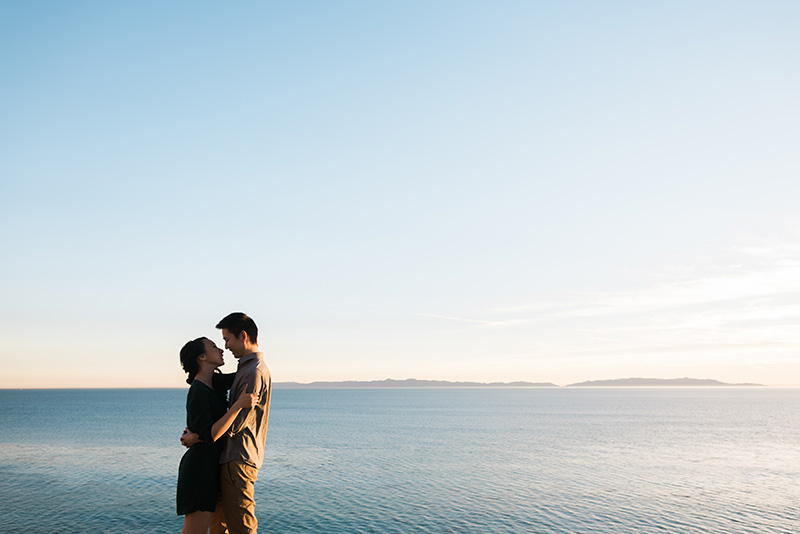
point(198, 474)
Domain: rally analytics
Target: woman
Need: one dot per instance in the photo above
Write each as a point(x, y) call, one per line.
point(198, 474)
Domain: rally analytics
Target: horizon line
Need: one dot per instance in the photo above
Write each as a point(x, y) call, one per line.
point(449, 384)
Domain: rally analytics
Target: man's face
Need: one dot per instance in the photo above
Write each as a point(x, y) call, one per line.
point(233, 343)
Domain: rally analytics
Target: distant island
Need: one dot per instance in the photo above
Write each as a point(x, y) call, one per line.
point(655, 382)
point(414, 383)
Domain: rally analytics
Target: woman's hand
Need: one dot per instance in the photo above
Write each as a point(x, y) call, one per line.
point(246, 400)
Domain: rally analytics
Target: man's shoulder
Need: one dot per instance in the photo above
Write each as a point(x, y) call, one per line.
point(262, 369)
point(255, 366)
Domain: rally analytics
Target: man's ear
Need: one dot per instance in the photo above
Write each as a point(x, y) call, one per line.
point(243, 337)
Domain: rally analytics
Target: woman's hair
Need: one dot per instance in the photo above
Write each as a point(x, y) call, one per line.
point(189, 354)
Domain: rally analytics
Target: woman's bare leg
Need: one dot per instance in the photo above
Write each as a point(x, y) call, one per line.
point(196, 522)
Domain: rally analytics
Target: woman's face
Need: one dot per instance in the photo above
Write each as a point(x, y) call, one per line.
point(213, 353)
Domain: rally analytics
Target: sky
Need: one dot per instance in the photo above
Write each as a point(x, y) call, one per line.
point(455, 190)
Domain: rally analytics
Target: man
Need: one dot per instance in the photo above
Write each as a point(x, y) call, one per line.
point(243, 451)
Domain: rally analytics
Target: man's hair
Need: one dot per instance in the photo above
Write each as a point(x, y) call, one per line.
point(238, 322)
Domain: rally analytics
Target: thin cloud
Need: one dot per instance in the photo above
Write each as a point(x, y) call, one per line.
point(482, 322)
point(741, 310)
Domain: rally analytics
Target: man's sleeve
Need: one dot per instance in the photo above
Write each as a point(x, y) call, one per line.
point(254, 383)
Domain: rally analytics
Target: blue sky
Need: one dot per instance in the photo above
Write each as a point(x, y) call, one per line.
point(446, 190)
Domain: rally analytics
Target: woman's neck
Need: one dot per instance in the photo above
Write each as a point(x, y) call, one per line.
point(205, 375)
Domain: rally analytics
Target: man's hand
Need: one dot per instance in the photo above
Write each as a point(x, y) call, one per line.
point(189, 438)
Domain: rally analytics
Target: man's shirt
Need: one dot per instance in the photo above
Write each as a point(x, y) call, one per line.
point(248, 433)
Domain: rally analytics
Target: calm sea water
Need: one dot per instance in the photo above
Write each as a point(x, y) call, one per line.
point(421, 461)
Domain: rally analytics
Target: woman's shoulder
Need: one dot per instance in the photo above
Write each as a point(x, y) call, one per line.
point(198, 387)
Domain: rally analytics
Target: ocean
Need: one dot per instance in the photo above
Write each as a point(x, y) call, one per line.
point(558, 460)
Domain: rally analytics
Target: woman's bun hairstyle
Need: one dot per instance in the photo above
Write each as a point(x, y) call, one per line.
point(189, 354)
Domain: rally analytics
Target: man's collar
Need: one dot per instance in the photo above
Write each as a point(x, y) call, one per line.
point(249, 357)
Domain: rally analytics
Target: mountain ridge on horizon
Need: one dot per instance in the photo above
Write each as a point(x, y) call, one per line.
point(417, 383)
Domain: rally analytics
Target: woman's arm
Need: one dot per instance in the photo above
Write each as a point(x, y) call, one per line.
point(244, 402)
point(222, 381)
point(247, 419)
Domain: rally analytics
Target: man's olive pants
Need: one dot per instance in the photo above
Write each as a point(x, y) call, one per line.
point(236, 508)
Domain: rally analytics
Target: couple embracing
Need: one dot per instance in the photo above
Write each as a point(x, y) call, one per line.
point(217, 475)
